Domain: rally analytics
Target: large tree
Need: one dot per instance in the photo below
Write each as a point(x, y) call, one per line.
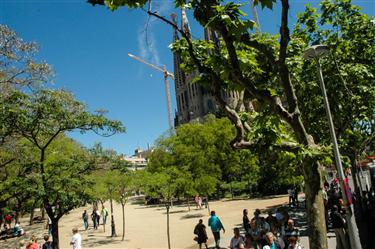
point(263, 66)
point(41, 118)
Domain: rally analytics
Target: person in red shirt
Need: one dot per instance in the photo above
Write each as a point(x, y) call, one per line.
point(33, 244)
point(8, 220)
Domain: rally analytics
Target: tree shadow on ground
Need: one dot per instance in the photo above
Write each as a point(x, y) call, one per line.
point(239, 198)
point(269, 197)
point(176, 212)
point(92, 242)
point(298, 214)
point(191, 216)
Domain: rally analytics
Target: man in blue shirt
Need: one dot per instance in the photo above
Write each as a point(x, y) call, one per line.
point(216, 225)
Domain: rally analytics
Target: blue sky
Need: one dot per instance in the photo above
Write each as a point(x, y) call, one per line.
point(88, 46)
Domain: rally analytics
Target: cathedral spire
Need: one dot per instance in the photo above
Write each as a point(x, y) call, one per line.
point(174, 20)
point(185, 23)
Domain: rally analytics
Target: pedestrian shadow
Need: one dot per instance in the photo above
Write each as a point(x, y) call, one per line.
point(191, 216)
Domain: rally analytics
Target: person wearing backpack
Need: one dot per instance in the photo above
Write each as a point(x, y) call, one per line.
point(47, 243)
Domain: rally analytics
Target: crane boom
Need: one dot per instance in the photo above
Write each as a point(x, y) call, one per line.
point(145, 62)
point(255, 14)
point(166, 85)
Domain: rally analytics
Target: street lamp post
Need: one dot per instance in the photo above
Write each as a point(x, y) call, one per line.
point(315, 52)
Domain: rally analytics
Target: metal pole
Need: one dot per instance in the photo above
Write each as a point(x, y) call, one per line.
point(350, 219)
point(168, 95)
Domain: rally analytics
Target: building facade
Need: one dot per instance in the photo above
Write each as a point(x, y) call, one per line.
point(138, 161)
point(193, 100)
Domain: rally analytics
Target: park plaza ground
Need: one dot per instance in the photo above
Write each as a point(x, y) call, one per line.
point(146, 225)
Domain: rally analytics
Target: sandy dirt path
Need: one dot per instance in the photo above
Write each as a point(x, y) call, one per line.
point(146, 226)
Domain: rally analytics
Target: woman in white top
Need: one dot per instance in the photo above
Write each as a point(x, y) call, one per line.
point(76, 239)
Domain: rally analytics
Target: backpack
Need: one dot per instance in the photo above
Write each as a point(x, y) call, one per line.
point(47, 245)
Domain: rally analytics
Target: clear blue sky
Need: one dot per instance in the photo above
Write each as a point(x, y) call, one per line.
point(88, 46)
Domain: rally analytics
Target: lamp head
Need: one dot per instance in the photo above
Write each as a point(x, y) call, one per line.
point(315, 51)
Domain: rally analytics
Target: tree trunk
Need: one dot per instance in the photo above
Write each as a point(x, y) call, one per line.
point(168, 235)
point(31, 221)
point(231, 190)
point(123, 221)
point(55, 233)
point(188, 204)
point(249, 188)
point(43, 212)
point(208, 206)
point(113, 228)
point(315, 207)
point(17, 218)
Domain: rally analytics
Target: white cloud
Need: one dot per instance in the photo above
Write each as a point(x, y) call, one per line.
point(147, 43)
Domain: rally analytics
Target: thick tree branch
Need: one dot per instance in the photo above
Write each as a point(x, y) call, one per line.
point(283, 68)
point(7, 162)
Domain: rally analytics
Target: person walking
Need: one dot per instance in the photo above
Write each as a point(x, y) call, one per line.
point(200, 231)
point(76, 239)
point(85, 218)
point(104, 215)
point(216, 225)
point(97, 217)
point(338, 225)
point(94, 219)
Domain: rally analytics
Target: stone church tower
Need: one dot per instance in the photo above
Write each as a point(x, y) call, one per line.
point(194, 101)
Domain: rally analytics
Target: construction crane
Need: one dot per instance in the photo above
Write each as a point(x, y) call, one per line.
point(166, 85)
point(255, 14)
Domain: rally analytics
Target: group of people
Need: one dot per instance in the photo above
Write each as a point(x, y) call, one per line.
point(75, 242)
point(6, 229)
point(274, 231)
point(33, 243)
point(201, 234)
point(95, 217)
point(335, 212)
point(271, 232)
point(199, 202)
